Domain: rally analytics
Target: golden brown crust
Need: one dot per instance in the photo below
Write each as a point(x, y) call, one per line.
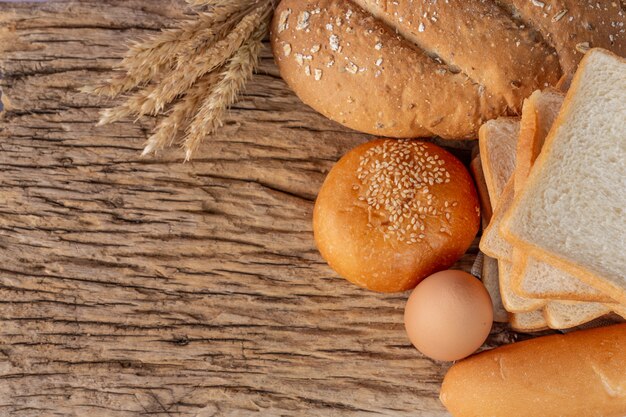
point(433, 68)
point(580, 374)
point(463, 33)
point(574, 26)
point(366, 77)
point(435, 221)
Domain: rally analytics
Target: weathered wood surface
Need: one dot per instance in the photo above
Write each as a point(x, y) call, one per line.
point(144, 286)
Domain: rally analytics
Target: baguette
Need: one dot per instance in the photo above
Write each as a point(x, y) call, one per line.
point(580, 374)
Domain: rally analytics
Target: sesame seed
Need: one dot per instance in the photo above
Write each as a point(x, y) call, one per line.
point(390, 174)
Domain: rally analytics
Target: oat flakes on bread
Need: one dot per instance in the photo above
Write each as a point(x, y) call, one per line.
point(421, 68)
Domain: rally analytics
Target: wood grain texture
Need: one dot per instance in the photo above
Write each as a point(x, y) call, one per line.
point(144, 286)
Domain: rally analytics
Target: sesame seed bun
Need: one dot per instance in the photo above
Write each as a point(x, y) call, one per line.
point(391, 212)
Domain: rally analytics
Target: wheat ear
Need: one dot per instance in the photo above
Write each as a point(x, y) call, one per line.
point(212, 110)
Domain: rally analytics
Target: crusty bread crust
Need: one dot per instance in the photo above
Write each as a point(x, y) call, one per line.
point(414, 69)
point(583, 273)
point(580, 374)
point(573, 26)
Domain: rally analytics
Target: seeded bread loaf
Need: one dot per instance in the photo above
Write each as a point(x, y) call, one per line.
point(391, 212)
point(421, 68)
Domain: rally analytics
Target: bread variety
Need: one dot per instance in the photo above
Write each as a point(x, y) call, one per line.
point(433, 68)
point(550, 175)
point(580, 374)
point(392, 212)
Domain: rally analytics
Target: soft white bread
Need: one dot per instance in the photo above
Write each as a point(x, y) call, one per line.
point(542, 280)
point(532, 321)
point(533, 278)
point(570, 213)
point(580, 374)
point(492, 242)
point(490, 279)
point(511, 301)
point(498, 144)
point(567, 314)
point(540, 111)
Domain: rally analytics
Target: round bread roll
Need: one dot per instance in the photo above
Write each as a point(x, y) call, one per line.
point(423, 68)
point(391, 212)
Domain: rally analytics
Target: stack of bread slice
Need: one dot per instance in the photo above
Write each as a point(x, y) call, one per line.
point(556, 179)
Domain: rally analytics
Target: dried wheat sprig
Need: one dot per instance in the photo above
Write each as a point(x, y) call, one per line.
point(154, 98)
point(178, 119)
point(145, 60)
point(211, 113)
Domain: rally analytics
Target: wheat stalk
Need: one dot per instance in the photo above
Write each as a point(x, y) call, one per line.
point(196, 70)
point(211, 113)
point(178, 119)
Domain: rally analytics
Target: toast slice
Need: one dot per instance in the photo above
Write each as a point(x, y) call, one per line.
point(490, 278)
point(542, 280)
point(533, 278)
point(567, 314)
point(511, 301)
point(498, 144)
point(571, 211)
point(533, 321)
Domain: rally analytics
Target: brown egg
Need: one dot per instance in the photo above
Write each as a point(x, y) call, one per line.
point(448, 315)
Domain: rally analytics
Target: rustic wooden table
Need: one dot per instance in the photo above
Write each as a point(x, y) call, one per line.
point(145, 286)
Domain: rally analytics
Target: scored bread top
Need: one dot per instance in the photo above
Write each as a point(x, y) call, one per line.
point(456, 33)
point(572, 27)
point(410, 69)
point(354, 69)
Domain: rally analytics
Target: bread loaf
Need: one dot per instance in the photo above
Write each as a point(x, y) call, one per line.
point(422, 68)
point(580, 374)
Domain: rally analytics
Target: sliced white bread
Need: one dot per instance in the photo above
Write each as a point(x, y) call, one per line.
point(558, 314)
point(533, 278)
point(490, 279)
point(561, 315)
point(498, 143)
point(540, 111)
point(571, 211)
point(511, 301)
point(533, 321)
point(543, 280)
